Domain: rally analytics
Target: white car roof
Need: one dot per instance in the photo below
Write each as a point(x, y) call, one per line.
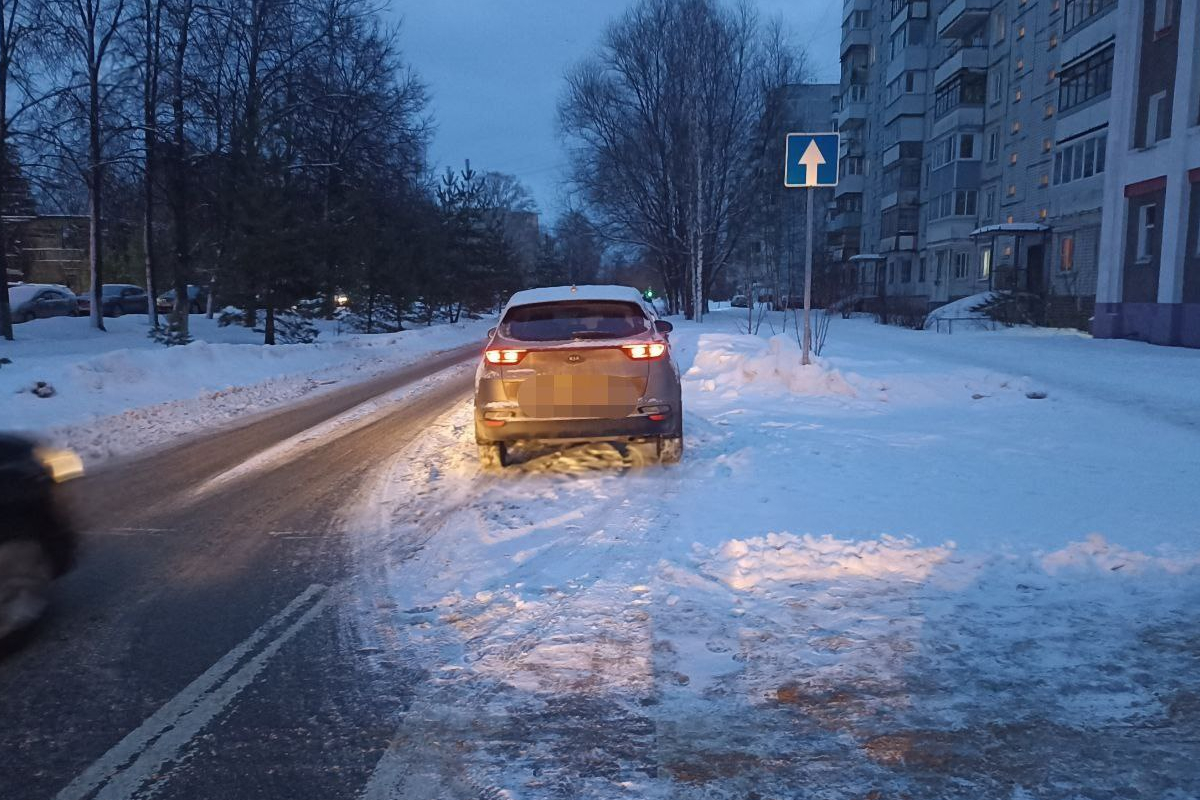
point(20, 292)
point(558, 294)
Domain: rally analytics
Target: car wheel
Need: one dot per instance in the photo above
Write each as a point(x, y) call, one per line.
point(670, 449)
point(25, 575)
point(116, 311)
point(493, 457)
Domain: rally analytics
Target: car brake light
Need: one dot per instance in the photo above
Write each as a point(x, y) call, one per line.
point(504, 357)
point(643, 352)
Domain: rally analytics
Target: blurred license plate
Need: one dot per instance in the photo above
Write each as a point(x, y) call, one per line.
point(576, 396)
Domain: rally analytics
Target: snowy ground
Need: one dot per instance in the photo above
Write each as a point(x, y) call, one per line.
point(120, 392)
point(930, 567)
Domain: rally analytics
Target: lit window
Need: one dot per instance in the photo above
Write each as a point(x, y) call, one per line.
point(1066, 261)
point(1016, 126)
point(1021, 32)
point(1008, 248)
point(1017, 95)
point(1045, 180)
point(1049, 110)
point(1047, 145)
point(1043, 213)
point(985, 264)
point(1012, 159)
point(1020, 64)
point(1053, 41)
point(1012, 192)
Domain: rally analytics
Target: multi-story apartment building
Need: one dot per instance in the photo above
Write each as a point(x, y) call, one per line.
point(981, 126)
point(1150, 275)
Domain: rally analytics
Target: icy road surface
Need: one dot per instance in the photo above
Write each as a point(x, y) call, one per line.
point(929, 567)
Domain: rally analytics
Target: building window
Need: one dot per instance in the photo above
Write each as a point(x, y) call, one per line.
point(960, 265)
point(1017, 95)
point(1045, 212)
point(997, 87)
point(1016, 127)
point(1158, 119)
point(1066, 258)
point(860, 19)
point(1079, 12)
point(921, 275)
point(1020, 31)
point(1012, 190)
point(1049, 110)
point(906, 270)
point(966, 147)
point(1164, 14)
point(1080, 160)
point(1053, 41)
point(1020, 64)
point(891, 272)
point(989, 208)
point(941, 266)
point(1045, 180)
point(964, 89)
point(985, 264)
point(993, 145)
point(1147, 222)
point(1047, 145)
point(1012, 159)
point(999, 27)
point(1085, 80)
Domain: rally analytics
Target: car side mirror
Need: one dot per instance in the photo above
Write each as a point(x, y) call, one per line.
point(491, 332)
point(662, 326)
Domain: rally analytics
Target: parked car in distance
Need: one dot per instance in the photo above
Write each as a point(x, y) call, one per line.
point(118, 298)
point(30, 301)
point(739, 301)
point(197, 300)
point(786, 301)
point(574, 364)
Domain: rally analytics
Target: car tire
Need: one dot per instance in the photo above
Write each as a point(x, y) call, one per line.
point(117, 311)
point(493, 457)
point(670, 449)
point(25, 575)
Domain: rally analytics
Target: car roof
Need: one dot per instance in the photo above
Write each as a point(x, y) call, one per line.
point(562, 294)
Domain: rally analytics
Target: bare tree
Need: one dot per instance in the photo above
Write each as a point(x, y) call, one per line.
point(80, 38)
point(151, 62)
point(18, 94)
point(663, 120)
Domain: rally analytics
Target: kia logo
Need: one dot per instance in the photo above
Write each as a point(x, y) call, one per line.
point(574, 358)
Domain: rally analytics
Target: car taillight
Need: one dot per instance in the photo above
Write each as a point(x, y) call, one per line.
point(504, 357)
point(644, 352)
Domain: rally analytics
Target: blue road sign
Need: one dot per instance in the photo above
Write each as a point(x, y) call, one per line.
point(811, 160)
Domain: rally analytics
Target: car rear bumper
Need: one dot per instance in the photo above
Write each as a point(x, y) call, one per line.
point(576, 430)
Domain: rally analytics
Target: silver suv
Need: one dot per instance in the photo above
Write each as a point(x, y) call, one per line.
point(578, 364)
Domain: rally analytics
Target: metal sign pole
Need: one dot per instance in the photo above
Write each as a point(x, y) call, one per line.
point(808, 269)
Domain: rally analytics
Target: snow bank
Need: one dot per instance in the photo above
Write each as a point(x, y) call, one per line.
point(729, 362)
point(119, 391)
point(759, 561)
point(962, 312)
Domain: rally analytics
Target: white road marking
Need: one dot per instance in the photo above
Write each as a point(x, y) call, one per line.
point(126, 767)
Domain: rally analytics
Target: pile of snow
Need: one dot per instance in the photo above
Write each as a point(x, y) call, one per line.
point(119, 391)
point(784, 558)
point(962, 314)
point(726, 363)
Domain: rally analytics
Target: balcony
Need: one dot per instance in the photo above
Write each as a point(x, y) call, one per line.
point(853, 111)
point(906, 105)
point(973, 58)
point(849, 184)
point(845, 221)
point(855, 37)
point(962, 17)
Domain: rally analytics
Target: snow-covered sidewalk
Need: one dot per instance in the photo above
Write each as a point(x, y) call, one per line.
point(956, 566)
point(119, 392)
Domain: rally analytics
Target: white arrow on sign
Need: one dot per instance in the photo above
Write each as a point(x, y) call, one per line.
point(811, 159)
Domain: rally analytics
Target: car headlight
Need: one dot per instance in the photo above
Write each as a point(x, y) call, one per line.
point(63, 465)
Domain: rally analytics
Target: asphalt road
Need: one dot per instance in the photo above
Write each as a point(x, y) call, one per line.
point(193, 652)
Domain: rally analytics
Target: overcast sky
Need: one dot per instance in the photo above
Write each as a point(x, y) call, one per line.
point(495, 70)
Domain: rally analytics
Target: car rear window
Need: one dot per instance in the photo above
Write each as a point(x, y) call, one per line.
point(584, 319)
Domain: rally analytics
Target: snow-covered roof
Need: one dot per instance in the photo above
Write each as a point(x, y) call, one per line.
point(1010, 228)
point(557, 294)
point(867, 257)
